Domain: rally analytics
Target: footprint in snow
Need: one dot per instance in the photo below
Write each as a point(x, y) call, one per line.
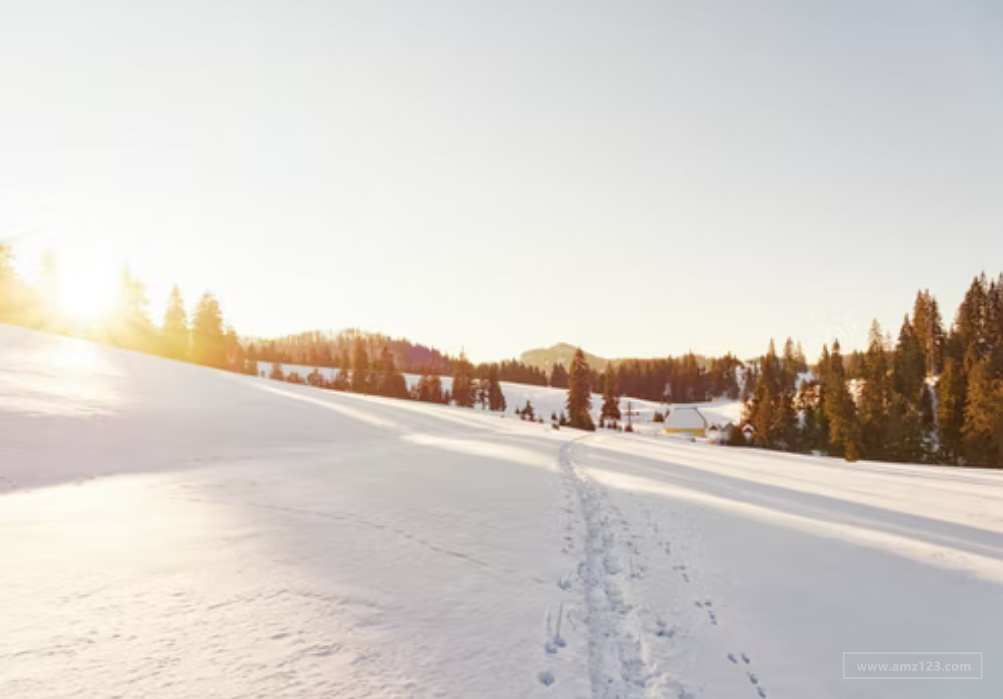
point(546, 678)
point(732, 658)
point(662, 629)
point(746, 658)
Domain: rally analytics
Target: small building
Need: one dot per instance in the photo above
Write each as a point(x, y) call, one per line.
point(719, 433)
point(686, 421)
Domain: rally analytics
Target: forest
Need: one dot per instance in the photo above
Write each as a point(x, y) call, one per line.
point(933, 393)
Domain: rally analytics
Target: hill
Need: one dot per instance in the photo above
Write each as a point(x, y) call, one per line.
point(562, 353)
point(169, 531)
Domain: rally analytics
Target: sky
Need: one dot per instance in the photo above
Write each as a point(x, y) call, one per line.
point(638, 178)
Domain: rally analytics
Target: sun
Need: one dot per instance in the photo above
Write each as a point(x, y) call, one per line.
point(86, 292)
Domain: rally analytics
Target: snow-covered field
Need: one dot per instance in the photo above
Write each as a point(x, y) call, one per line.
point(167, 530)
point(547, 401)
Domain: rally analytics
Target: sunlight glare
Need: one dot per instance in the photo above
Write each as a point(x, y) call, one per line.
point(86, 289)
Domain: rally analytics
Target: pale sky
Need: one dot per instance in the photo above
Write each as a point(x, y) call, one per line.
point(640, 178)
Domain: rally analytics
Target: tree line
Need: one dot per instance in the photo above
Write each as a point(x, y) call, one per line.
point(933, 394)
point(202, 337)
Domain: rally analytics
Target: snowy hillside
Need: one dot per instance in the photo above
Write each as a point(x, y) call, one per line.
point(170, 531)
point(546, 400)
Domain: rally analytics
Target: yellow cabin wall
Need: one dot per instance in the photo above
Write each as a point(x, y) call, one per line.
point(692, 431)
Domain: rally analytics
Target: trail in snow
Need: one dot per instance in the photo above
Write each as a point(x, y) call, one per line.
point(617, 641)
point(228, 537)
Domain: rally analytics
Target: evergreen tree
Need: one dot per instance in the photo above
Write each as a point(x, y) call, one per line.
point(951, 390)
point(909, 365)
point(389, 380)
point(579, 400)
point(840, 410)
point(429, 389)
point(759, 414)
point(175, 333)
point(495, 397)
point(463, 382)
point(982, 432)
point(527, 412)
point(208, 347)
point(874, 397)
point(233, 352)
point(771, 410)
point(361, 381)
point(929, 329)
point(315, 378)
point(808, 405)
point(559, 376)
point(611, 397)
point(971, 323)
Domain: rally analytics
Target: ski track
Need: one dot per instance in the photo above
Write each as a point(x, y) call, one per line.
point(628, 638)
point(618, 652)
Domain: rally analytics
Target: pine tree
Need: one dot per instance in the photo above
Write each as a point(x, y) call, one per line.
point(463, 382)
point(579, 400)
point(207, 333)
point(951, 389)
point(361, 381)
point(808, 405)
point(611, 397)
point(982, 433)
point(909, 364)
point(874, 397)
point(495, 397)
point(558, 376)
point(233, 351)
point(760, 415)
point(389, 380)
point(840, 410)
point(771, 410)
point(429, 389)
point(971, 324)
point(929, 329)
point(527, 412)
point(175, 333)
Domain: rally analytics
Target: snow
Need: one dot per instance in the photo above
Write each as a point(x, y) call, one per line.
point(685, 418)
point(547, 400)
point(172, 531)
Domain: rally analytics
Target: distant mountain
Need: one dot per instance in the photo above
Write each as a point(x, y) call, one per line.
point(562, 353)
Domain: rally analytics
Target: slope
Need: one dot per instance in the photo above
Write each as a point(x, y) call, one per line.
point(253, 538)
